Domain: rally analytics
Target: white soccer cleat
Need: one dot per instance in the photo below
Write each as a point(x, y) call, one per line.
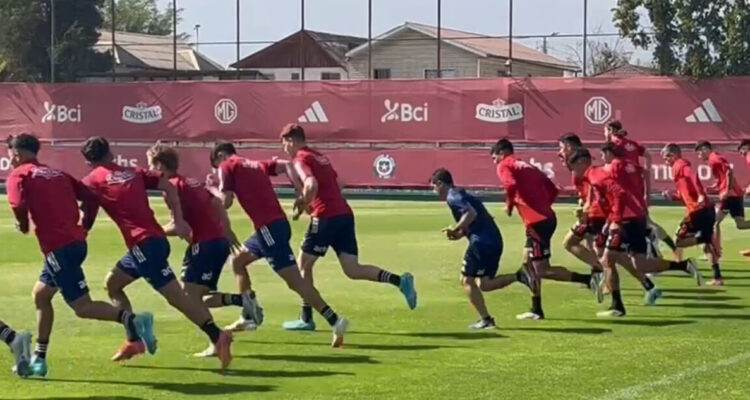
point(611, 313)
point(209, 352)
point(242, 325)
point(338, 332)
point(692, 269)
point(251, 309)
point(21, 348)
point(530, 316)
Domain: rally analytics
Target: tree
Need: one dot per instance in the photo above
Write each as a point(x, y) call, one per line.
point(25, 39)
point(141, 16)
point(600, 55)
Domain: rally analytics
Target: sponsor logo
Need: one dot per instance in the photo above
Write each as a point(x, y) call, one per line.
point(193, 183)
point(225, 111)
point(498, 112)
point(320, 249)
point(141, 114)
point(384, 166)
point(60, 113)
point(125, 162)
point(207, 276)
point(5, 164)
point(404, 112)
point(314, 114)
point(166, 271)
point(120, 177)
point(45, 172)
point(705, 113)
point(82, 285)
point(598, 110)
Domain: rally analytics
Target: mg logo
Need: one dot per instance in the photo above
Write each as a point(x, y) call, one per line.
point(225, 111)
point(598, 110)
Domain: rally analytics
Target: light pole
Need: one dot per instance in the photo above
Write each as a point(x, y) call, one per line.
point(52, 42)
point(197, 28)
point(585, 33)
point(509, 63)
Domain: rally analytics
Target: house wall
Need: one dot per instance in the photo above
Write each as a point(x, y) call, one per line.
point(489, 68)
point(311, 74)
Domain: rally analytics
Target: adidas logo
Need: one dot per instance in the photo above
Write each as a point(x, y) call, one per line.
point(706, 113)
point(314, 114)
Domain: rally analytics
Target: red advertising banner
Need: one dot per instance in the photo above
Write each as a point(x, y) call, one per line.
point(653, 109)
point(383, 168)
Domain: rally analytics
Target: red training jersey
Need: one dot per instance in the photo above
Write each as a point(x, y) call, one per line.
point(591, 197)
point(528, 189)
point(198, 209)
point(629, 149)
point(50, 197)
point(328, 201)
point(614, 199)
point(251, 183)
point(629, 175)
point(689, 187)
point(122, 194)
point(720, 169)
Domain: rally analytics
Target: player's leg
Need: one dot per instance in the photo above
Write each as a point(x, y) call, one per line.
point(610, 258)
point(476, 298)
point(737, 212)
point(20, 345)
point(43, 292)
point(540, 241)
point(574, 244)
point(661, 233)
point(124, 273)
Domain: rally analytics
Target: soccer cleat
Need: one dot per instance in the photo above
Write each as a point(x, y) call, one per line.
point(208, 353)
point(20, 346)
point(144, 325)
point(523, 276)
point(716, 282)
point(242, 325)
point(611, 313)
point(129, 350)
point(692, 269)
point(651, 296)
point(596, 286)
point(407, 288)
point(224, 349)
point(338, 332)
point(299, 325)
point(530, 315)
point(488, 323)
point(251, 310)
point(745, 253)
point(38, 366)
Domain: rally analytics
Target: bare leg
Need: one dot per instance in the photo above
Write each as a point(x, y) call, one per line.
point(475, 296)
point(45, 314)
point(115, 283)
point(496, 283)
point(574, 245)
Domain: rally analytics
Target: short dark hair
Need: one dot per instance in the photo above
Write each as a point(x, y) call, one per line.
point(578, 155)
point(615, 125)
point(502, 145)
point(166, 156)
point(703, 143)
point(24, 141)
point(571, 139)
point(95, 149)
point(442, 175)
point(744, 143)
point(671, 148)
point(611, 148)
point(221, 147)
point(294, 132)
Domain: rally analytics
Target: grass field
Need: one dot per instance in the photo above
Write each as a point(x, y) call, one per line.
point(694, 344)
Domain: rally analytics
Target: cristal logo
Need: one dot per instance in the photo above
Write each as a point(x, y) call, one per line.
point(499, 112)
point(61, 114)
point(404, 112)
point(141, 114)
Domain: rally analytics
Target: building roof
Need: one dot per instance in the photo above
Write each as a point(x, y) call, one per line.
point(628, 70)
point(141, 51)
point(480, 45)
point(320, 49)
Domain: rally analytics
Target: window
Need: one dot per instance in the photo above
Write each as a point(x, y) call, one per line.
point(433, 73)
point(295, 76)
point(330, 76)
point(382, 73)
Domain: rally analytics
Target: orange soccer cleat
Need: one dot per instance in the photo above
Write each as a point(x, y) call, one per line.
point(224, 349)
point(129, 350)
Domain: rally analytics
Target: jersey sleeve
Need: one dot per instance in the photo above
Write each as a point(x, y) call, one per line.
point(89, 201)
point(304, 166)
point(641, 150)
point(226, 179)
point(269, 167)
point(505, 175)
point(151, 178)
point(14, 188)
point(458, 202)
point(691, 180)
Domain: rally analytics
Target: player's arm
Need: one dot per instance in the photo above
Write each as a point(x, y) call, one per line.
point(89, 203)
point(222, 187)
point(309, 189)
point(730, 182)
point(462, 226)
point(511, 189)
point(647, 173)
point(226, 223)
point(284, 167)
point(17, 200)
point(172, 199)
point(618, 205)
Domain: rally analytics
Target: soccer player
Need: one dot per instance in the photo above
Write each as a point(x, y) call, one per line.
point(532, 192)
point(698, 225)
point(249, 181)
point(49, 197)
point(482, 257)
point(19, 344)
point(632, 151)
point(122, 193)
point(210, 242)
point(731, 195)
point(744, 149)
point(331, 223)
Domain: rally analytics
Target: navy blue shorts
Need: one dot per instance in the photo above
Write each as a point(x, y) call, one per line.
point(62, 270)
point(272, 243)
point(482, 260)
point(149, 259)
point(337, 232)
point(204, 261)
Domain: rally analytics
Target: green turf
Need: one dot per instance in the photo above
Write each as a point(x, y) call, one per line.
point(693, 345)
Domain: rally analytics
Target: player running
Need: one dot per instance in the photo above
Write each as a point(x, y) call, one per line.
point(122, 193)
point(698, 225)
point(211, 237)
point(533, 193)
point(19, 344)
point(331, 224)
point(482, 257)
point(50, 198)
point(731, 195)
point(744, 149)
point(250, 181)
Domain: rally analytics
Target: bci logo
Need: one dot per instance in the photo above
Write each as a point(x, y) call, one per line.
point(404, 112)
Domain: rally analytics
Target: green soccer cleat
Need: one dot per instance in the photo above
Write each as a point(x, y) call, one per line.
point(299, 325)
point(407, 289)
point(38, 366)
point(651, 296)
point(144, 325)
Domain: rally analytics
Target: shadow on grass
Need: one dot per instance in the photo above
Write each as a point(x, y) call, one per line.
point(704, 305)
point(637, 322)
point(87, 398)
point(742, 271)
point(486, 334)
point(342, 359)
point(706, 290)
point(384, 347)
point(577, 331)
point(702, 298)
point(720, 316)
point(193, 388)
point(248, 373)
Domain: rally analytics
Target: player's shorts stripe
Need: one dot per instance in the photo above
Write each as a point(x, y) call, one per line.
point(139, 256)
point(52, 261)
point(267, 236)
